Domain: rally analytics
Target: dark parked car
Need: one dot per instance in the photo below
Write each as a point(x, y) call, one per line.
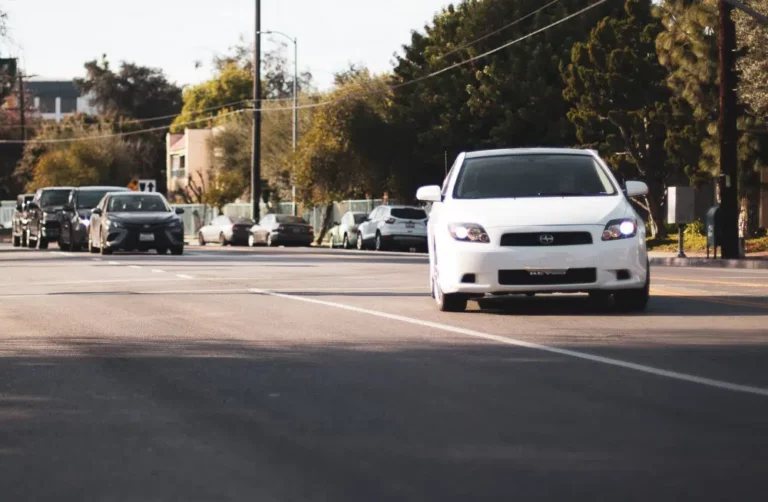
point(75, 219)
point(276, 229)
point(43, 224)
point(134, 221)
point(20, 220)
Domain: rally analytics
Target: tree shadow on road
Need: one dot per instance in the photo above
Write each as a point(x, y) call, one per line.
point(172, 419)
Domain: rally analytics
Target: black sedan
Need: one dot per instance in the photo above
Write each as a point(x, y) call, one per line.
point(136, 222)
point(277, 229)
point(75, 218)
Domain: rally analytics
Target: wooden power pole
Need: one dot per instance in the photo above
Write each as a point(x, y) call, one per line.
point(728, 132)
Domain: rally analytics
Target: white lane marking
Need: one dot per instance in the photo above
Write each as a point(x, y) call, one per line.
point(97, 259)
point(134, 266)
point(157, 271)
point(114, 263)
point(62, 253)
point(534, 346)
point(184, 276)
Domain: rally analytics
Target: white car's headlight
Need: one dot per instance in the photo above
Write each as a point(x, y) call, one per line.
point(620, 229)
point(468, 232)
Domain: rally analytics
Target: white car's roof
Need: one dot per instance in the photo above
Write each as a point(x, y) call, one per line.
point(529, 151)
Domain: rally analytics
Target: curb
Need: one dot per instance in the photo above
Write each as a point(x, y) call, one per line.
point(755, 264)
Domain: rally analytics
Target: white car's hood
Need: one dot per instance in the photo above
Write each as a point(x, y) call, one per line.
point(537, 211)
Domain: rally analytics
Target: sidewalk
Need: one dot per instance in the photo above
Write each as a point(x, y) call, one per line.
point(699, 259)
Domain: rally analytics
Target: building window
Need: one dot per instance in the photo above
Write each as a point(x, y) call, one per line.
point(68, 105)
point(178, 166)
point(47, 105)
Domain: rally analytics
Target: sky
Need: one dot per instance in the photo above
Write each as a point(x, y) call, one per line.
point(53, 38)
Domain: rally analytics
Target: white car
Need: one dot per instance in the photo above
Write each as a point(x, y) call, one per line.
point(226, 231)
point(527, 221)
point(389, 227)
point(344, 234)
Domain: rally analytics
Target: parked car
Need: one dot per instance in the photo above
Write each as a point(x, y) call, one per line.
point(276, 229)
point(393, 227)
point(75, 218)
point(43, 224)
point(528, 221)
point(19, 224)
point(344, 233)
point(135, 221)
point(225, 231)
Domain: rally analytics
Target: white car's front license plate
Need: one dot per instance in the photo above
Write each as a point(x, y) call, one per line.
point(146, 237)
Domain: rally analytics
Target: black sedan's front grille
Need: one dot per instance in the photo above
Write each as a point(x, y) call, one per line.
point(546, 239)
point(148, 228)
point(547, 277)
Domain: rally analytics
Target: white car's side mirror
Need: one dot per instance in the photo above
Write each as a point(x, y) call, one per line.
point(636, 189)
point(430, 193)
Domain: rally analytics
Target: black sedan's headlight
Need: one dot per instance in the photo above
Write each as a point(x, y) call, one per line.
point(174, 224)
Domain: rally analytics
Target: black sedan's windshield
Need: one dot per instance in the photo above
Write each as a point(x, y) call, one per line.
point(88, 199)
point(535, 175)
point(137, 204)
point(54, 198)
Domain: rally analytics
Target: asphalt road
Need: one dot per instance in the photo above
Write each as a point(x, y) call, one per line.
point(292, 375)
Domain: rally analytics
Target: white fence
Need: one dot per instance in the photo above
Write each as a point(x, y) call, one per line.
point(198, 215)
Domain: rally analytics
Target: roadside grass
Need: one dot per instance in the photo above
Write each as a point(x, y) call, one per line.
point(694, 242)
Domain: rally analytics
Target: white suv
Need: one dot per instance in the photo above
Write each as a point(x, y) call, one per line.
point(393, 227)
point(535, 221)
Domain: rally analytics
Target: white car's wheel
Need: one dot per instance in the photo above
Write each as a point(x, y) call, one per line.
point(251, 241)
point(454, 302)
point(360, 244)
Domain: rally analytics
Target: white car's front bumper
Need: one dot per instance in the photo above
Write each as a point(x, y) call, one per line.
point(464, 267)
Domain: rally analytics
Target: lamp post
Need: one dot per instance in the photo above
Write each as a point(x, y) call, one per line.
point(295, 103)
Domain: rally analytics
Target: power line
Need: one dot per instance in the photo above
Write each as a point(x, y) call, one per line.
point(349, 96)
point(120, 134)
point(488, 35)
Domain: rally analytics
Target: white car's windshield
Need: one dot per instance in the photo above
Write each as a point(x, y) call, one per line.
point(535, 175)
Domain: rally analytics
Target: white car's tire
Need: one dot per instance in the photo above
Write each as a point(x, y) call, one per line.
point(453, 302)
point(634, 300)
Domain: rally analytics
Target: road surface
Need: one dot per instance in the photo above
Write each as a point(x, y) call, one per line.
point(318, 375)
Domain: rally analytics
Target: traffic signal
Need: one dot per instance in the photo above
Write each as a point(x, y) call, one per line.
point(134, 185)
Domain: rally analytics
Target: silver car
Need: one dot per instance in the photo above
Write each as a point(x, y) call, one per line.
point(225, 231)
point(344, 233)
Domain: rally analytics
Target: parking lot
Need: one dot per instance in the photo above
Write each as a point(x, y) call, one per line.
point(316, 374)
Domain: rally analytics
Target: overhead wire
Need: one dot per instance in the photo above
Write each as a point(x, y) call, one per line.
point(343, 98)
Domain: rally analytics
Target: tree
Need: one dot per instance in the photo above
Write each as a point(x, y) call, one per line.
point(226, 91)
point(98, 160)
point(136, 92)
point(347, 152)
point(687, 47)
point(507, 99)
point(753, 63)
point(623, 106)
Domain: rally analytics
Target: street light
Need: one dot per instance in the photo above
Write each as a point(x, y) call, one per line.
point(295, 102)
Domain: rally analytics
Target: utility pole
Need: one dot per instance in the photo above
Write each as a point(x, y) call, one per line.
point(728, 133)
point(256, 154)
point(295, 117)
point(22, 108)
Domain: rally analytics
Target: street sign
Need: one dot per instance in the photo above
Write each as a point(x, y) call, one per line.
point(147, 185)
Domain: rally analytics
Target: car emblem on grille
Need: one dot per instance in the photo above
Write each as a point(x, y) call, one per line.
point(146, 226)
point(546, 239)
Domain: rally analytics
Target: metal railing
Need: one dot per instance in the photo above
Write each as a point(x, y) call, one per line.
point(7, 208)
